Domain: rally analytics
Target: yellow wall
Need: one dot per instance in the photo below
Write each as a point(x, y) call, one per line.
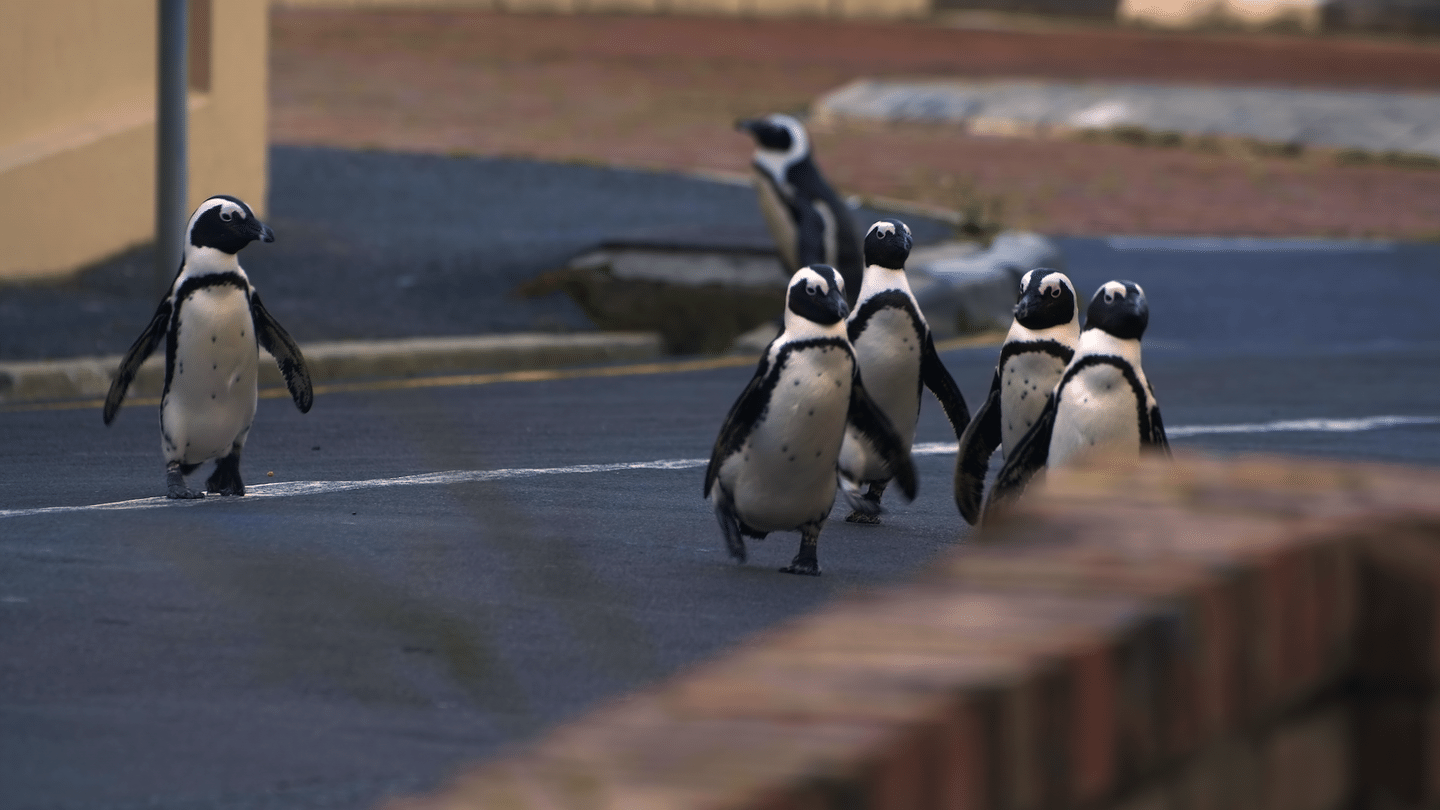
point(77, 126)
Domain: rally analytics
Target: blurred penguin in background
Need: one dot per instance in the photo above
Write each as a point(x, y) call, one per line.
point(809, 221)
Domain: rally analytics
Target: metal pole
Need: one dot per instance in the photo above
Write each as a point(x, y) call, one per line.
point(171, 152)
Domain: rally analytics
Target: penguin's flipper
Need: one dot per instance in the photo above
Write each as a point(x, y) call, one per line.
point(283, 348)
point(972, 460)
point(729, 524)
point(1030, 454)
point(874, 426)
point(937, 378)
point(738, 423)
point(1157, 439)
point(143, 347)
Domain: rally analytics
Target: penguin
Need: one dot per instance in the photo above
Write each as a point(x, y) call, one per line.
point(212, 323)
point(810, 223)
point(1039, 346)
point(1103, 399)
point(897, 358)
point(773, 465)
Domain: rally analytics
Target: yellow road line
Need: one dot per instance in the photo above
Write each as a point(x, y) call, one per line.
point(490, 378)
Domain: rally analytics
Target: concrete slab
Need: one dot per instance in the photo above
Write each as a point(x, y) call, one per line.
point(963, 288)
point(1371, 122)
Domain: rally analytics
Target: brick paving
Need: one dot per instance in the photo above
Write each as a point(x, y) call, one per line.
point(662, 92)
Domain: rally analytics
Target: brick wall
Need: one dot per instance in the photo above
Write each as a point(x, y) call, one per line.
point(1258, 633)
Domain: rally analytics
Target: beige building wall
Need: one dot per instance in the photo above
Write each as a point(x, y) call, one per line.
point(77, 123)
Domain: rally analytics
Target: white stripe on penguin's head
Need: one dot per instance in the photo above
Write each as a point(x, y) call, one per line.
point(1119, 308)
point(223, 225)
point(815, 304)
point(230, 208)
point(777, 162)
point(1114, 289)
point(1055, 285)
point(1047, 300)
point(799, 138)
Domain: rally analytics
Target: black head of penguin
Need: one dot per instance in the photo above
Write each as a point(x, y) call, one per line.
point(1119, 308)
point(887, 244)
point(1046, 299)
point(817, 294)
point(227, 224)
point(768, 132)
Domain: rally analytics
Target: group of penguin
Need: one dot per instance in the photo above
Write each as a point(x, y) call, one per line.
point(834, 401)
point(832, 406)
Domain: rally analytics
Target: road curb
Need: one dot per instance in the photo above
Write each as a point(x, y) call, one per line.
point(89, 377)
point(1350, 125)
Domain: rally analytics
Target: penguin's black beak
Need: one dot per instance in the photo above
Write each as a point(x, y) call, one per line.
point(825, 308)
point(264, 234)
point(748, 125)
point(834, 304)
point(1028, 305)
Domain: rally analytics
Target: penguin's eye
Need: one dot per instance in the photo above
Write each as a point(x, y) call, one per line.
point(226, 216)
point(1054, 292)
point(1109, 298)
point(812, 289)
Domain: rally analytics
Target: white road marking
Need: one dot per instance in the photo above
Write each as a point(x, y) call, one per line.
point(294, 488)
point(1246, 244)
point(1307, 426)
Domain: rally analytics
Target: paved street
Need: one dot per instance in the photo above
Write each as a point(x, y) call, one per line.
point(328, 644)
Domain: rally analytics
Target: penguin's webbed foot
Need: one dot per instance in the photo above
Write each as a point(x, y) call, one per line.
point(810, 568)
point(806, 562)
point(175, 485)
point(226, 478)
point(865, 509)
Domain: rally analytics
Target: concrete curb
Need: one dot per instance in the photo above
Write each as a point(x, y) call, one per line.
point(1355, 125)
point(88, 377)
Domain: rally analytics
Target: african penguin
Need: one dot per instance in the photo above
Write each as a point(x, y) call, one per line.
point(773, 466)
point(810, 223)
point(897, 357)
point(1102, 400)
point(1040, 344)
point(212, 322)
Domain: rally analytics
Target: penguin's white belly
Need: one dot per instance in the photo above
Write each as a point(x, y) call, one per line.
point(1097, 410)
point(829, 234)
point(784, 475)
point(1025, 382)
point(211, 401)
point(778, 219)
point(889, 355)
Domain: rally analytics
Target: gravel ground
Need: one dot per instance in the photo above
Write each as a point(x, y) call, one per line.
point(662, 92)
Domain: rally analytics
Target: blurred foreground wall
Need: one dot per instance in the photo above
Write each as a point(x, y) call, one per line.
point(756, 8)
point(1310, 16)
point(1253, 633)
point(77, 133)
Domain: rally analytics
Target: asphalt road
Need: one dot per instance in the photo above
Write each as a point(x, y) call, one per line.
point(324, 645)
point(373, 245)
